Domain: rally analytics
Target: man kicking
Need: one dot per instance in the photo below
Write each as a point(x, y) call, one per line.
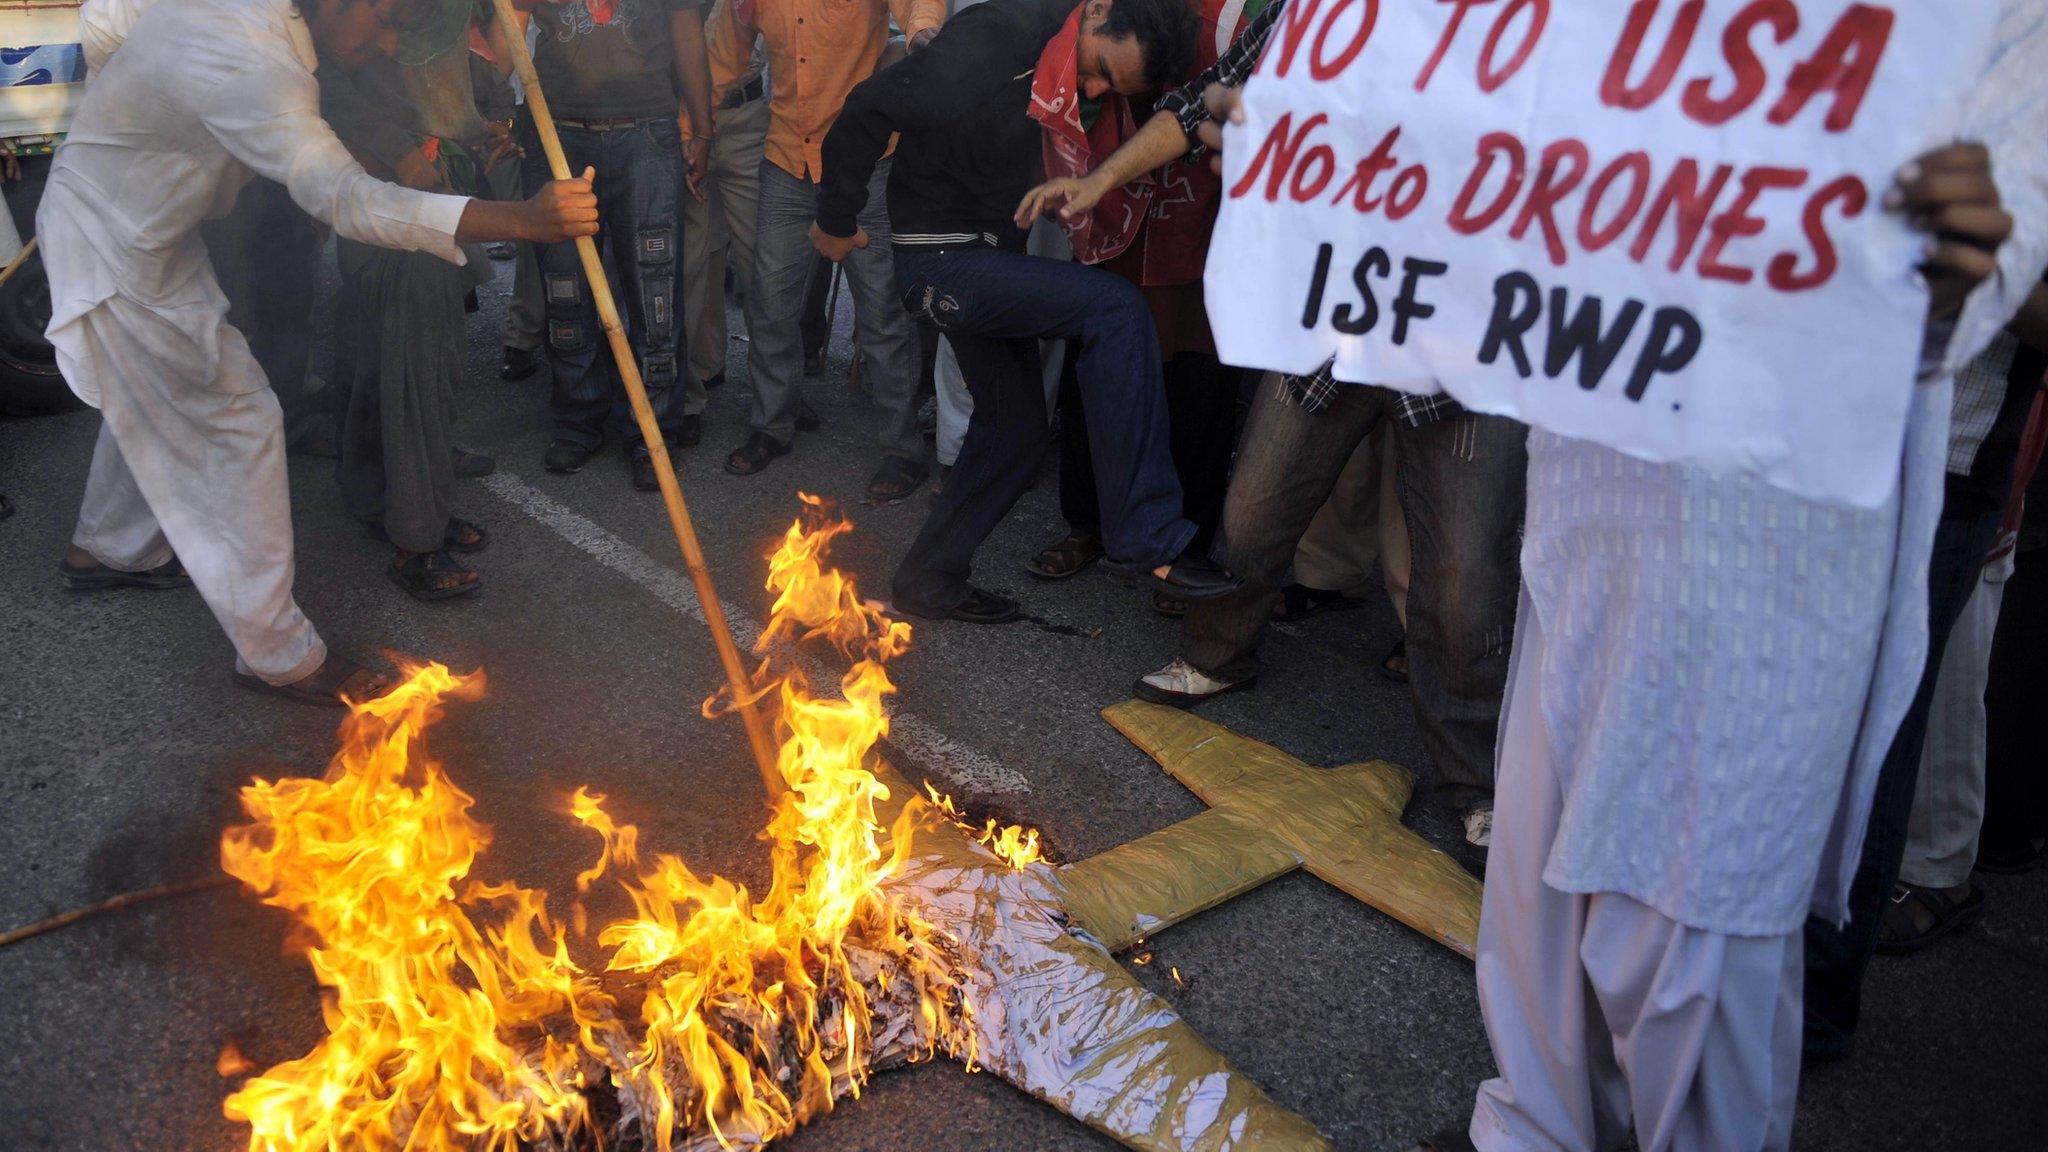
point(968, 152)
point(186, 102)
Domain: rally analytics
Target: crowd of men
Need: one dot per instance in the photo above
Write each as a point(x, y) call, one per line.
point(1701, 794)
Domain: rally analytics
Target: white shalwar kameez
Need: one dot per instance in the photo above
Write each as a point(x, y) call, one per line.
point(1691, 737)
point(185, 101)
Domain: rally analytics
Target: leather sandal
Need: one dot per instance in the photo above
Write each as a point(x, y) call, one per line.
point(336, 678)
point(896, 479)
point(756, 454)
point(430, 576)
point(1066, 558)
point(1916, 917)
point(1192, 576)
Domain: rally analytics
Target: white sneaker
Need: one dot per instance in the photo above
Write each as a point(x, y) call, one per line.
point(1182, 685)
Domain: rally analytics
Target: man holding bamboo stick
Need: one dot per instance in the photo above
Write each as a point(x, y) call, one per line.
point(186, 103)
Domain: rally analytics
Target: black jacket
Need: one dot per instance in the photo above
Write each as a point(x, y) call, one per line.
point(968, 148)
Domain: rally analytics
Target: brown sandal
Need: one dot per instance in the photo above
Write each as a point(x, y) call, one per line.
point(327, 686)
point(431, 576)
point(1067, 558)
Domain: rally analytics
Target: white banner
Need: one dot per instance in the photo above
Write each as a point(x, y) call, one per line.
point(1655, 225)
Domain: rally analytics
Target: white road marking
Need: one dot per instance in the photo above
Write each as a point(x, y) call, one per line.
point(964, 768)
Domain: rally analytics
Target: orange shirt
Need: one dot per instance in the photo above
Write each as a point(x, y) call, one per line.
point(817, 51)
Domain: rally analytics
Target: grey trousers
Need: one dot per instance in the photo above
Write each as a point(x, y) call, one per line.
point(397, 451)
point(782, 261)
point(1360, 524)
point(526, 314)
point(1948, 801)
point(718, 232)
point(1462, 482)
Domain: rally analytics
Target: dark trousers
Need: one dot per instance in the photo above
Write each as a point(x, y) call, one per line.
point(1837, 957)
point(994, 307)
point(1201, 408)
point(2015, 767)
point(1462, 483)
point(639, 178)
point(266, 254)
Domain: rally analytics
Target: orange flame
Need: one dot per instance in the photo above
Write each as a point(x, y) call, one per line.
point(753, 1013)
point(1013, 844)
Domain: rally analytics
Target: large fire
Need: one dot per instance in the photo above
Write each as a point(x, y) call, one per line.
point(460, 1017)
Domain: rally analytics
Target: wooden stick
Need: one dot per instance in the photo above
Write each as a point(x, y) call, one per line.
point(643, 411)
point(112, 903)
point(20, 258)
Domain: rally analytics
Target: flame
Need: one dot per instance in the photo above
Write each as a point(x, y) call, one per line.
point(1013, 844)
point(457, 1017)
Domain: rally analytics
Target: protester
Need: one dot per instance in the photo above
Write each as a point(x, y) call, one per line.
point(187, 102)
point(1993, 395)
point(817, 52)
point(1689, 749)
point(418, 124)
point(1462, 476)
point(1154, 232)
point(968, 153)
point(718, 226)
point(2015, 834)
point(611, 70)
point(499, 101)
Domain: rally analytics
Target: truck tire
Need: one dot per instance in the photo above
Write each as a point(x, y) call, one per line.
point(30, 384)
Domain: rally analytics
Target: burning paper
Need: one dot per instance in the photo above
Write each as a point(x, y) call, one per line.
point(458, 1015)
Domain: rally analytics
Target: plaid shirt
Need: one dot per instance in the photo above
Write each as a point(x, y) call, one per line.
point(1311, 393)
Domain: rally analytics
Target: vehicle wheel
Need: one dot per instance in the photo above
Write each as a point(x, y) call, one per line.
point(30, 384)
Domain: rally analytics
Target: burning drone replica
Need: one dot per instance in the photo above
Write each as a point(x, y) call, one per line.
point(460, 1018)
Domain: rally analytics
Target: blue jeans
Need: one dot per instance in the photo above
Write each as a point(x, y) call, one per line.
point(639, 180)
point(1837, 957)
point(994, 307)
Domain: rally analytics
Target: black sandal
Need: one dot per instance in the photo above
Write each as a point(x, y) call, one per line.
point(1916, 917)
point(99, 577)
point(755, 454)
point(431, 576)
point(1067, 558)
point(461, 536)
point(896, 479)
point(325, 688)
point(1171, 607)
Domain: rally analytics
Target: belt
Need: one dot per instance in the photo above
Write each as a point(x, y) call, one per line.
point(750, 91)
point(616, 125)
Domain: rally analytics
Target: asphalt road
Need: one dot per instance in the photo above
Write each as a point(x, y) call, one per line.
point(124, 743)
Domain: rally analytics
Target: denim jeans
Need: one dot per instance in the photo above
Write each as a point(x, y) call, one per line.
point(1462, 482)
point(1201, 407)
point(1836, 957)
point(994, 307)
point(639, 178)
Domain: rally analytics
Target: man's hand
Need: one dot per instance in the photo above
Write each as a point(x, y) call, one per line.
point(562, 210)
point(498, 136)
point(696, 164)
point(924, 36)
point(1225, 104)
point(416, 170)
point(1949, 195)
point(837, 248)
point(1072, 197)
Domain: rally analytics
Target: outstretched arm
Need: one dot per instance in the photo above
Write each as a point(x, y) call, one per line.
point(1160, 142)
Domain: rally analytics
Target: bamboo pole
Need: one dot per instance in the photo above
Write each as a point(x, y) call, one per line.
point(643, 411)
point(20, 258)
